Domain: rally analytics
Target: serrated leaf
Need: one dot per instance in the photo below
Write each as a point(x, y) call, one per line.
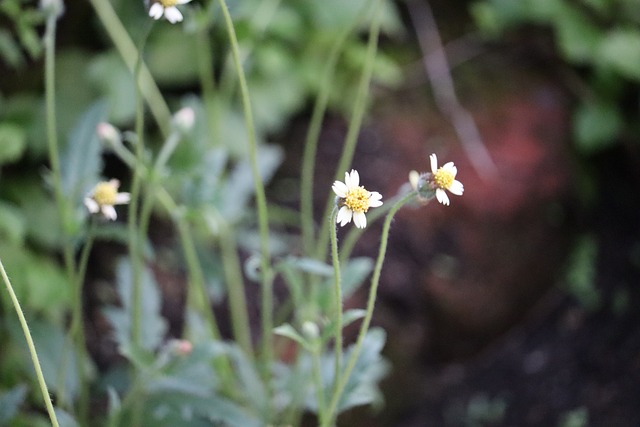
point(362, 387)
point(81, 161)
point(152, 324)
point(239, 186)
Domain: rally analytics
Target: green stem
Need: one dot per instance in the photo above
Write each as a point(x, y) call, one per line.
point(32, 348)
point(354, 234)
point(137, 235)
point(129, 53)
point(373, 292)
point(235, 288)
point(355, 124)
point(313, 135)
point(62, 202)
point(207, 84)
point(261, 202)
point(317, 379)
point(337, 288)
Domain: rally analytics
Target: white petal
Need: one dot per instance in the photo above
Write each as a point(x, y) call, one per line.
point(156, 10)
point(172, 14)
point(360, 219)
point(449, 167)
point(352, 179)
point(183, 1)
point(109, 212)
point(344, 216)
point(442, 197)
point(122, 198)
point(414, 176)
point(374, 199)
point(456, 188)
point(434, 163)
point(91, 205)
point(340, 188)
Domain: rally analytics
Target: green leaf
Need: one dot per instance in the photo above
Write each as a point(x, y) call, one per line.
point(38, 281)
point(9, 50)
point(152, 325)
point(57, 355)
point(169, 47)
point(81, 160)
point(109, 74)
point(596, 126)
point(239, 187)
point(354, 274)
point(12, 224)
point(65, 419)
point(10, 402)
point(289, 331)
point(578, 38)
point(12, 142)
point(620, 49)
point(362, 387)
point(581, 272)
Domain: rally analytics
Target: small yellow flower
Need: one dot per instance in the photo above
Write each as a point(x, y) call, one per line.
point(168, 9)
point(356, 200)
point(104, 196)
point(444, 178)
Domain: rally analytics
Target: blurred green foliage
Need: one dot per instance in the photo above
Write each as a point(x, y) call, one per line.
point(600, 39)
point(284, 48)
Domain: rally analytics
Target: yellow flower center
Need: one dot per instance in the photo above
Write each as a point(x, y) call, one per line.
point(168, 3)
point(357, 199)
point(105, 194)
point(443, 178)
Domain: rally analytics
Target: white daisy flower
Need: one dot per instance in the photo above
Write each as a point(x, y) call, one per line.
point(104, 196)
point(355, 200)
point(168, 9)
point(444, 178)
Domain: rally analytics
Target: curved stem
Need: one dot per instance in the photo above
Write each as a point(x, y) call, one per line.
point(32, 348)
point(355, 123)
point(261, 202)
point(337, 288)
point(311, 142)
point(373, 291)
point(129, 53)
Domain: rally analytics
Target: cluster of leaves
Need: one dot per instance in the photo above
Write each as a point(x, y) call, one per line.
point(599, 38)
point(285, 45)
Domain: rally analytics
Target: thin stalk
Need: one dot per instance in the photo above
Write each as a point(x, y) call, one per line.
point(207, 83)
point(312, 137)
point(355, 124)
point(337, 304)
point(129, 53)
point(317, 379)
point(349, 242)
point(32, 348)
point(261, 202)
point(373, 292)
point(62, 203)
point(235, 287)
point(136, 236)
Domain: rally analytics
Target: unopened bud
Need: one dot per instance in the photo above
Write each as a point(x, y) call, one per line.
point(310, 330)
point(52, 7)
point(184, 119)
point(108, 134)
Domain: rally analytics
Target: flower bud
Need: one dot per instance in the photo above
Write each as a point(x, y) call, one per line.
point(184, 119)
point(108, 134)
